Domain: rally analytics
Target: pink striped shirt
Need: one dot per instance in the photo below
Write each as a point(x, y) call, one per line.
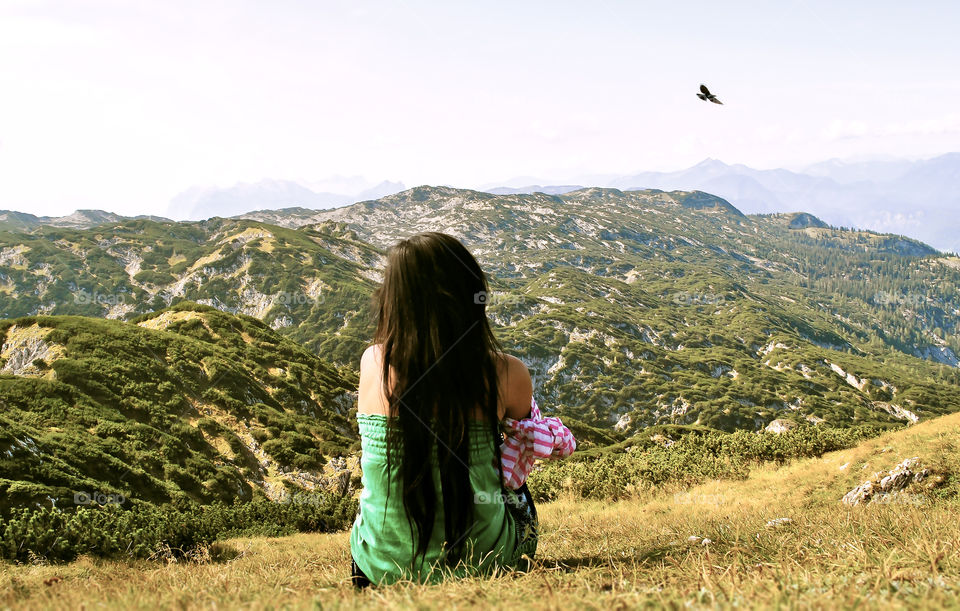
point(530, 439)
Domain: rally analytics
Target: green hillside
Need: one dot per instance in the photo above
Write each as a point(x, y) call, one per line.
point(185, 404)
point(286, 278)
point(644, 307)
point(631, 308)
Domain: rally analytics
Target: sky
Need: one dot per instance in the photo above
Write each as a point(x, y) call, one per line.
point(123, 104)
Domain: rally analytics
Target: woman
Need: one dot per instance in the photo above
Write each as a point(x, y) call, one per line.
point(433, 390)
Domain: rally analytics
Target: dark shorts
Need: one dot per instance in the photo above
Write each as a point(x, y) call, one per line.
point(524, 512)
point(356, 575)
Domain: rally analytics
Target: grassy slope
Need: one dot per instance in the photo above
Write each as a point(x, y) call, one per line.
point(191, 403)
point(603, 555)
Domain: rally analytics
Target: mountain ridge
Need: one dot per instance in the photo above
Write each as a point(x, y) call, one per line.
point(906, 197)
point(185, 403)
point(914, 198)
point(630, 308)
point(202, 203)
point(79, 219)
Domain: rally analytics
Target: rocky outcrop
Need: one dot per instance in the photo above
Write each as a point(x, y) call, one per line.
point(780, 426)
point(897, 412)
point(884, 485)
point(24, 347)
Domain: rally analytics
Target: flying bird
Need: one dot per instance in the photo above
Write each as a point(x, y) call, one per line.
point(706, 95)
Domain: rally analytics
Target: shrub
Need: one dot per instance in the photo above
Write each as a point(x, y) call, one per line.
point(694, 458)
point(143, 530)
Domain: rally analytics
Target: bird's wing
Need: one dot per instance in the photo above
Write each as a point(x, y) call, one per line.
point(714, 99)
point(701, 96)
point(703, 88)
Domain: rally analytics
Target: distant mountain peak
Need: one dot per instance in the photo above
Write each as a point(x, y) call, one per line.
point(802, 220)
point(267, 194)
point(529, 189)
point(78, 219)
point(710, 162)
point(700, 200)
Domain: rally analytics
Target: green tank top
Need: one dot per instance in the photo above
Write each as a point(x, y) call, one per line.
point(382, 541)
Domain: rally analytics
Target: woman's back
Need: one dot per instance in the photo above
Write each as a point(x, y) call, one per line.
point(433, 390)
point(513, 380)
point(381, 537)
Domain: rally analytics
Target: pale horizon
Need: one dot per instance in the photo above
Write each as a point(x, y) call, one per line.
point(515, 181)
point(122, 107)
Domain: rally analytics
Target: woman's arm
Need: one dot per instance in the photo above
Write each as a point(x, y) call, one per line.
point(370, 397)
point(516, 389)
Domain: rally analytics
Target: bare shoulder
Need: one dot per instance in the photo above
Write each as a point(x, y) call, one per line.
point(371, 357)
point(516, 387)
point(370, 399)
point(511, 366)
point(511, 361)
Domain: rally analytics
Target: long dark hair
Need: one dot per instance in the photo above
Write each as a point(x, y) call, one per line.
point(439, 373)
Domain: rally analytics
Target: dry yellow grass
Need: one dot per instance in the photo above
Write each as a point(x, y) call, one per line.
point(175, 259)
point(600, 555)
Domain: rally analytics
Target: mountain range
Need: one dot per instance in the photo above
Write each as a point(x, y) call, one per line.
point(81, 219)
point(200, 203)
point(217, 359)
point(920, 199)
point(625, 304)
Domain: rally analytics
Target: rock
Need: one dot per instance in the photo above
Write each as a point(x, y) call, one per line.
point(778, 522)
point(706, 542)
point(883, 484)
point(694, 539)
point(23, 346)
point(780, 425)
point(342, 483)
point(859, 494)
